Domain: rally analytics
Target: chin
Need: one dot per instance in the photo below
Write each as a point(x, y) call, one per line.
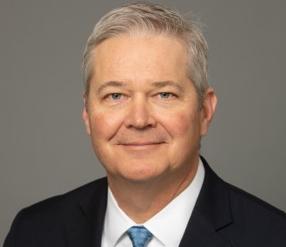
point(136, 170)
point(142, 174)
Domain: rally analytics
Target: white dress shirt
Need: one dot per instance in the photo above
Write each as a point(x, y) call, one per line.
point(167, 226)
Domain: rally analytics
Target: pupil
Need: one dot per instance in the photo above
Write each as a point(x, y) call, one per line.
point(116, 96)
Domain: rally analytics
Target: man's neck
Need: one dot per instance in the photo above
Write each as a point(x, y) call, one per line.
point(142, 200)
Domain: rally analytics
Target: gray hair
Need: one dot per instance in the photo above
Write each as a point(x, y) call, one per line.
point(155, 19)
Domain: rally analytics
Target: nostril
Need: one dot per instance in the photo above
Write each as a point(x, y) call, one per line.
point(140, 122)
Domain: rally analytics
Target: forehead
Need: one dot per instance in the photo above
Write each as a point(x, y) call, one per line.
point(132, 57)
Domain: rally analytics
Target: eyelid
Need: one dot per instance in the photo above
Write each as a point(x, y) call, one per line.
point(113, 93)
point(172, 94)
point(108, 99)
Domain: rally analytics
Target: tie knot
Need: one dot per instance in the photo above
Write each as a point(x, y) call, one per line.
point(139, 236)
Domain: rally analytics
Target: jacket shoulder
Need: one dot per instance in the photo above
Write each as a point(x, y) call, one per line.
point(244, 199)
point(61, 203)
point(43, 222)
point(255, 221)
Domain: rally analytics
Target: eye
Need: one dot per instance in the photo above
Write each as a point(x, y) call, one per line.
point(114, 96)
point(166, 95)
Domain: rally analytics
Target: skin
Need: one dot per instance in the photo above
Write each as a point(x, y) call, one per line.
point(144, 120)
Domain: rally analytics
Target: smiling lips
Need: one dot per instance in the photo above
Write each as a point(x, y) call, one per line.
point(140, 145)
point(136, 141)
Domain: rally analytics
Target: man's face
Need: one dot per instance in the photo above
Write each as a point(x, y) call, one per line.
point(142, 111)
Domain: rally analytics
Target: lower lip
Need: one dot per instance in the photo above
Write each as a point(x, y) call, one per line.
point(142, 147)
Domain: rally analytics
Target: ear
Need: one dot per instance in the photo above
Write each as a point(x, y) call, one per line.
point(85, 115)
point(208, 110)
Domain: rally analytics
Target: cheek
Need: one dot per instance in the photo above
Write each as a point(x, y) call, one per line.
point(104, 125)
point(179, 124)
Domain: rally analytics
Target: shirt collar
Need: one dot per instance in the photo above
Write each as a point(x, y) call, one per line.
point(116, 221)
point(178, 211)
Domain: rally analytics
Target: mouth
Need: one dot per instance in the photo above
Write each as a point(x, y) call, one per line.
point(141, 145)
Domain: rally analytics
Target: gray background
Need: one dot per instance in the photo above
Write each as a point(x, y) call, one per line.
point(43, 145)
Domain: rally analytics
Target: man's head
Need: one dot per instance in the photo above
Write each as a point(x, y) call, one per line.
point(146, 18)
point(143, 111)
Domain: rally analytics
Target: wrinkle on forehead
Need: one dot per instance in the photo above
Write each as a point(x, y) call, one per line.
point(123, 55)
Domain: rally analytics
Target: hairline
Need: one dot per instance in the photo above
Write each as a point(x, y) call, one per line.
point(91, 59)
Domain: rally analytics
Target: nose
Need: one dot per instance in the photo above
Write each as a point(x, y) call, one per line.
point(139, 114)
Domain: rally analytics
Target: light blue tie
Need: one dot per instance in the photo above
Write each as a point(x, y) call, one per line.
point(139, 236)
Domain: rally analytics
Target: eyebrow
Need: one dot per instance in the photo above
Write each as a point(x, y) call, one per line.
point(111, 84)
point(160, 84)
point(157, 84)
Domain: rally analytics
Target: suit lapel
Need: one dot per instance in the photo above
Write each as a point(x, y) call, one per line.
point(86, 229)
point(211, 214)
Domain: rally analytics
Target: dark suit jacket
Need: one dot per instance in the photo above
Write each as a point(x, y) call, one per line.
point(223, 216)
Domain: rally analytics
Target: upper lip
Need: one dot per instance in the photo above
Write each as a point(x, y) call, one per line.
point(139, 143)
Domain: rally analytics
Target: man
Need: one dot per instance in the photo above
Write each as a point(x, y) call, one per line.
point(147, 104)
